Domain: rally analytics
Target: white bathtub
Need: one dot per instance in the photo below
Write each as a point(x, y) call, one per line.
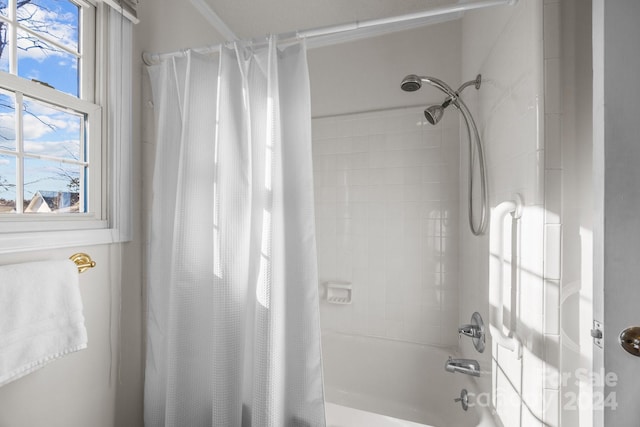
point(382, 383)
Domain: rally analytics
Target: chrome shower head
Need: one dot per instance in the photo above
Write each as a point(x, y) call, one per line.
point(434, 113)
point(411, 83)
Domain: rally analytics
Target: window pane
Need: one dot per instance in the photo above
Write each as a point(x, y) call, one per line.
point(52, 132)
point(4, 47)
point(40, 60)
point(52, 187)
point(4, 4)
point(7, 184)
point(55, 19)
point(7, 122)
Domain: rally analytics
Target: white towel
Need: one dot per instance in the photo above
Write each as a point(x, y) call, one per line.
point(41, 316)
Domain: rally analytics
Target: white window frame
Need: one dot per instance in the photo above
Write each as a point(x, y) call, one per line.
point(25, 232)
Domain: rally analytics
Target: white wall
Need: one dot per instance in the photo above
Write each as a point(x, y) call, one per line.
point(92, 387)
point(80, 389)
point(386, 185)
point(505, 44)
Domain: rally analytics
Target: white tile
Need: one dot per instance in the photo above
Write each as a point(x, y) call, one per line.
point(532, 312)
point(431, 191)
point(342, 145)
point(551, 416)
point(359, 160)
point(508, 404)
point(431, 209)
point(510, 366)
point(378, 142)
point(552, 376)
point(532, 380)
point(391, 193)
point(394, 312)
point(377, 326)
point(326, 194)
point(531, 228)
point(394, 211)
point(535, 190)
point(551, 307)
point(324, 162)
point(386, 159)
point(415, 175)
point(449, 327)
point(553, 141)
point(552, 251)
point(322, 128)
point(412, 210)
point(434, 173)
point(377, 176)
point(394, 176)
point(431, 137)
point(359, 143)
point(553, 196)
point(325, 210)
point(413, 193)
point(359, 194)
point(394, 329)
point(360, 176)
point(430, 297)
point(343, 128)
point(529, 419)
point(553, 86)
point(407, 141)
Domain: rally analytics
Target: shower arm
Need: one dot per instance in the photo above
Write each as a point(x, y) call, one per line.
point(448, 90)
point(476, 83)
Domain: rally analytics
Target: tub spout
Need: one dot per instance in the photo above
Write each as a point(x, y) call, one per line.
point(464, 366)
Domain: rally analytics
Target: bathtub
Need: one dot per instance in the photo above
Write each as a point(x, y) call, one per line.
point(376, 382)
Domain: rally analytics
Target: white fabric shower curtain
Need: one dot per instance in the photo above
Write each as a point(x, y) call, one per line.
point(233, 321)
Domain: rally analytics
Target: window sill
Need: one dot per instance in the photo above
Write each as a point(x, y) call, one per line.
point(45, 240)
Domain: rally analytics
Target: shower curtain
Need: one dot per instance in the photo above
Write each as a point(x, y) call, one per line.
point(233, 322)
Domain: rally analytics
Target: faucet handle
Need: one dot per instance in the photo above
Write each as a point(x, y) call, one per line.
point(475, 330)
point(469, 330)
point(463, 399)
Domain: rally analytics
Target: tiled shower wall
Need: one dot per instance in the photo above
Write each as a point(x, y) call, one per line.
point(518, 110)
point(386, 193)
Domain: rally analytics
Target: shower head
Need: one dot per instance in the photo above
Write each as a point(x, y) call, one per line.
point(411, 83)
point(434, 113)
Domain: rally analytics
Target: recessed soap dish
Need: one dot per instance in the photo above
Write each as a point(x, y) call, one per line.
point(339, 292)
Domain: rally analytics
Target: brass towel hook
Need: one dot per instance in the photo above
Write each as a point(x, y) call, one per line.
point(83, 261)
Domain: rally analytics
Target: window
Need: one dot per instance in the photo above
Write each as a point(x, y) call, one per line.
point(51, 166)
point(65, 128)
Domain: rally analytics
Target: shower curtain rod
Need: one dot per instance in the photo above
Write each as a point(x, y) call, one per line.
point(290, 37)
